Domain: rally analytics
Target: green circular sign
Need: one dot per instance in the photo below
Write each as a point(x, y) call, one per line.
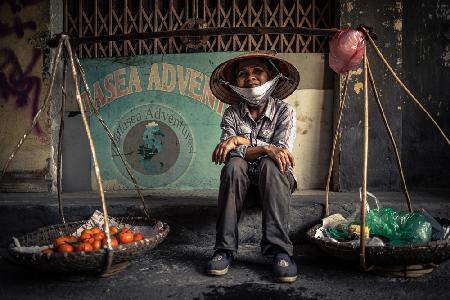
point(157, 144)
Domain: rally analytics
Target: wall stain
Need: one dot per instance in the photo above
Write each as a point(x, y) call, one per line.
point(358, 87)
point(398, 25)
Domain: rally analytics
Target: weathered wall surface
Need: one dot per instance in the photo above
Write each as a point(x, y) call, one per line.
point(386, 18)
point(136, 92)
point(426, 62)
point(23, 84)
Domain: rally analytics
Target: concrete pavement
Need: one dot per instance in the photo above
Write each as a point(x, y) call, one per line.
point(175, 269)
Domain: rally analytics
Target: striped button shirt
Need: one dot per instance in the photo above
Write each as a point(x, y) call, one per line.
point(277, 126)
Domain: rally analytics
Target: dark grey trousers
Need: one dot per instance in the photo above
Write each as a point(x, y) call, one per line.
point(274, 189)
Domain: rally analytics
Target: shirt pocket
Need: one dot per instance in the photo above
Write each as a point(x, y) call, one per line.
point(265, 135)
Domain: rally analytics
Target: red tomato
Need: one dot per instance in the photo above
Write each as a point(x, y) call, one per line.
point(113, 230)
point(138, 236)
point(125, 229)
point(86, 231)
point(63, 248)
point(114, 242)
point(96, 230)
point(86, 238)
point(48, 251)
point(60, 240)
point(99, 236)
point(126, 237)
point(96, 245)
point(84, 247)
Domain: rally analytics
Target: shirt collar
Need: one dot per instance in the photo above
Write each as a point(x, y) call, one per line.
point(268, 113)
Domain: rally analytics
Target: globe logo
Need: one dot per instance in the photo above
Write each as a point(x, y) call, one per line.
point(157, 144)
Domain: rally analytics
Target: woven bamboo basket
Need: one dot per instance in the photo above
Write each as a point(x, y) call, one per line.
point(89, 261)
point(424, 254)
point(106, 261)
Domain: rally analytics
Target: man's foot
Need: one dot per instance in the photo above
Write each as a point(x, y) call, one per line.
point(284, 268)
point(219, 263)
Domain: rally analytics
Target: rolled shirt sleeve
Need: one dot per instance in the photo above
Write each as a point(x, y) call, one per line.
point(228, 125)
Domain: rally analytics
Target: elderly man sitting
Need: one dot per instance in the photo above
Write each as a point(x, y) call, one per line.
point(258, 132)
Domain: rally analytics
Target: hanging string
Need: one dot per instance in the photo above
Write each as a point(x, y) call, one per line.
point(408, 92)
point(109, 134)
point(391, 136)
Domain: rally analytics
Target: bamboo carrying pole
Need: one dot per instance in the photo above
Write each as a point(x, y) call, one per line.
point(60, 142)
point(335, 140)
point(109, 249)
point(362, 240)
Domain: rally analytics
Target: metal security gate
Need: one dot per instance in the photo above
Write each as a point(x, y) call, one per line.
point(96, 18)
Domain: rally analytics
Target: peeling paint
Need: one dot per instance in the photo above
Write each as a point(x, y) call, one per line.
point(443, 11)
point(399, 6)
point(358, 87)
point(349, 6)
point(446, 56)
point(303, 118)
point(398, 25)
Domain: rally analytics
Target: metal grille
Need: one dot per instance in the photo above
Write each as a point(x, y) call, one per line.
point(87, 18)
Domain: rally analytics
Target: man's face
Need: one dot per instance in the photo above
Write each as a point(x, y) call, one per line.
point(251, 73)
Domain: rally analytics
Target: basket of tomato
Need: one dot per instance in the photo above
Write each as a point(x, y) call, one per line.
point(76, 247)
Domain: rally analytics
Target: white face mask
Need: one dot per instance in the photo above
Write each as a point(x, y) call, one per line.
point(257, 95)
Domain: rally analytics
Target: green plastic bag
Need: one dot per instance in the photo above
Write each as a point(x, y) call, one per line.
point(339, 232)
point(399, 227)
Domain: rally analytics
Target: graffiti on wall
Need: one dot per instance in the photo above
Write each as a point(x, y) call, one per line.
point(16, 79)
point(18, 83)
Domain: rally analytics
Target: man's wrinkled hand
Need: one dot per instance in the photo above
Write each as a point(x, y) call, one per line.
point(222, 149)
point(281, 156)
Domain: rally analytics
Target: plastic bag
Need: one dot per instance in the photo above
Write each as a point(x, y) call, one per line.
point(399, 227)
point(346, 50)
point(438, 232)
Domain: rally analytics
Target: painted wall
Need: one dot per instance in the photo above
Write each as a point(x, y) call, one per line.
point(414, 37)
point(386, 19)
point(23, 84)
point(426, 62)
point(166, 120)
